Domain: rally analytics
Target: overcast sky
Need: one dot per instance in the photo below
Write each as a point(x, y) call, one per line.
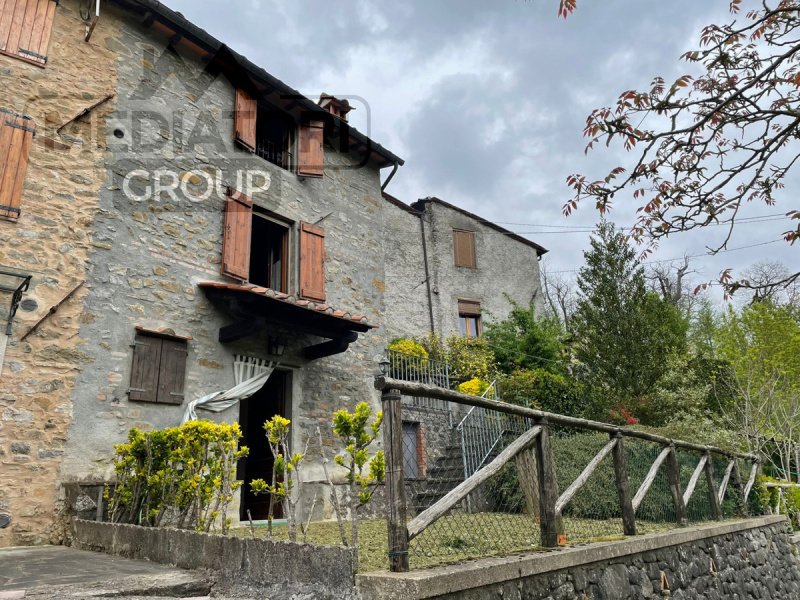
point(486, 100)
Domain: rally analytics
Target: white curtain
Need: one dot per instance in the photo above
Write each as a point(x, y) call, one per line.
point(250, 375)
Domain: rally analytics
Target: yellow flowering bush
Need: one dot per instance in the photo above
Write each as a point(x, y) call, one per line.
point(182, 477)
point(473, 387)
point(409, 347)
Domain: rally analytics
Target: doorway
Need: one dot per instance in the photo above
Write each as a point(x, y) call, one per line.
point(270, 400)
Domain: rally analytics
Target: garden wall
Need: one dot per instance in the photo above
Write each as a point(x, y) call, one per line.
point(281, 570)
point(752, 558)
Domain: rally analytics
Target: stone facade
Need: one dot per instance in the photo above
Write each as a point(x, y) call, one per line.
point(507, 269)
point(750, 559)
point(51, 241)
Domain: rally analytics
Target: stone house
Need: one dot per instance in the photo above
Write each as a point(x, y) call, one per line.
point(175, 221)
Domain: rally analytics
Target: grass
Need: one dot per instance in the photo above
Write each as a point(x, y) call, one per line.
point(458, 537)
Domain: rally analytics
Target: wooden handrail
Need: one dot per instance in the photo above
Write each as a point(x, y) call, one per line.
point(429, 516)
point(410, 388)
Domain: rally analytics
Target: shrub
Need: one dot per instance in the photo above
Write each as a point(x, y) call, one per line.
point(182, 476)
point(409, 347)
point(537, 388)
point(468, 357)
point(473, 387)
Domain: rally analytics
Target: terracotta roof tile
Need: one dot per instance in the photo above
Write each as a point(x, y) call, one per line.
point(288, 299)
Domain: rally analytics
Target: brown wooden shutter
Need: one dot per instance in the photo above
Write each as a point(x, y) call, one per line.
point(145, 369)
point(25, 28)
point(469, 308)
point(16, 136)
point(236, 239)
point(464, 248)
point(312, 154)
point(172, 372)
point(312, 262)
point(244, 120)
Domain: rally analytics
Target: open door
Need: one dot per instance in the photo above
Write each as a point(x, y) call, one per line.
point(270, 400)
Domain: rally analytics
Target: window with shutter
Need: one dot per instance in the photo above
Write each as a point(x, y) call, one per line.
point(159, 369)
point(244, 120)
point(25, 27)
point(469, 318)
point(464, 248)
point(16, 136)
point(311, 154)
point(312, 262)
point(236, 237)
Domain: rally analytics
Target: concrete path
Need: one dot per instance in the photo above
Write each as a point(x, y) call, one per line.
point(44, 572)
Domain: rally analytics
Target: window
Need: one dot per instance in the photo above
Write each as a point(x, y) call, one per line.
point(469, 318)
point(25, 27)
point(269, 132)
point(464, 248)
point(159, 368)
point(269, 249)
point(16, 136)
point(256, 248)
point(413, 450)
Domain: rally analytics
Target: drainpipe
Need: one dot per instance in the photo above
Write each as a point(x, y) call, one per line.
point(388, 179)
point(427, 269)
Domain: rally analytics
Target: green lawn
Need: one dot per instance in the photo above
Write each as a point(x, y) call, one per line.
point(458, 537)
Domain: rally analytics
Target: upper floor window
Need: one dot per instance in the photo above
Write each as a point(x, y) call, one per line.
point(258, 248)
point(270, 133)
point(469, 318)
point(464, 248)
point(25, 27)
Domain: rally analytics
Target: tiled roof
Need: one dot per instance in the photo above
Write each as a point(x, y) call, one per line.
point(317, 307)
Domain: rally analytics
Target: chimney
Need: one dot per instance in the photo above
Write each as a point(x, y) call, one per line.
point(333, 105)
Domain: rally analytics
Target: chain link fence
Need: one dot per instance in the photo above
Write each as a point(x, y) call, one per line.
point(473, 480)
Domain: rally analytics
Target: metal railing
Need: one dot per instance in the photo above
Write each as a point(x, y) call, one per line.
point(540, 480)
point(275, 153)
point(407, 367)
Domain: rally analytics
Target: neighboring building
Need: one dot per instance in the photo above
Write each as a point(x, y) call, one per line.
point(182, 221)
point(447, 270)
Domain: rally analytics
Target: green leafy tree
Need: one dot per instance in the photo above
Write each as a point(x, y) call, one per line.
point(544, 390)
point(623, 333)
point(524, 341)
point(357, 432)
point(762, 348)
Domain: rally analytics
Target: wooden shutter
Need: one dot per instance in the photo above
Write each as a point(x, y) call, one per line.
point(172, 372)
point(236, 239)
point(25, 27)
point(244, 120)
point(16, 136)
point(145, 369)
point(464, 248)
point(469, 308)
point(312, 262)
point(312, 154)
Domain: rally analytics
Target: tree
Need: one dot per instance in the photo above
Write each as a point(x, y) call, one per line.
point(767, 278)
point(669, 280)
point(720, 140)
point(523, 341)
point(560, 296)
point(624, 333)
point(762, 346)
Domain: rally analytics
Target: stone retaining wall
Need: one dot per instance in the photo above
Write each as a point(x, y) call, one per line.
point(742, 559)
point(280, 570)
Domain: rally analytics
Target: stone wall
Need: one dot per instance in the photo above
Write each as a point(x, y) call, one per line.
point(506, 268)
point(278, 570)
point(51, 241)
point(745, 559)
point(149, 256)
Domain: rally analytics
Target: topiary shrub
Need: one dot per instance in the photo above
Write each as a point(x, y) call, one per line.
point(181, 477)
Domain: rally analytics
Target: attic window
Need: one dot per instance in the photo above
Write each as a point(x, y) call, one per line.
point(274, 136)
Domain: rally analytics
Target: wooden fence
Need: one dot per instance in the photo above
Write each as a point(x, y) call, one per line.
point(532, 452)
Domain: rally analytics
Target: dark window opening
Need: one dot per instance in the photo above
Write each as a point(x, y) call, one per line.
point(274, 136)
point(413, 450)
point(269, 249)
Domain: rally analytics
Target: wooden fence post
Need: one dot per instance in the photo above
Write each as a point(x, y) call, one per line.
point(674, 472)
point(623, 485)
point(716, 507)
point(551, 524)
point(395, 480)
point(736, 481)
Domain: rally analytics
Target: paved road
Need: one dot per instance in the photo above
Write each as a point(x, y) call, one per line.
point(45, 572)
